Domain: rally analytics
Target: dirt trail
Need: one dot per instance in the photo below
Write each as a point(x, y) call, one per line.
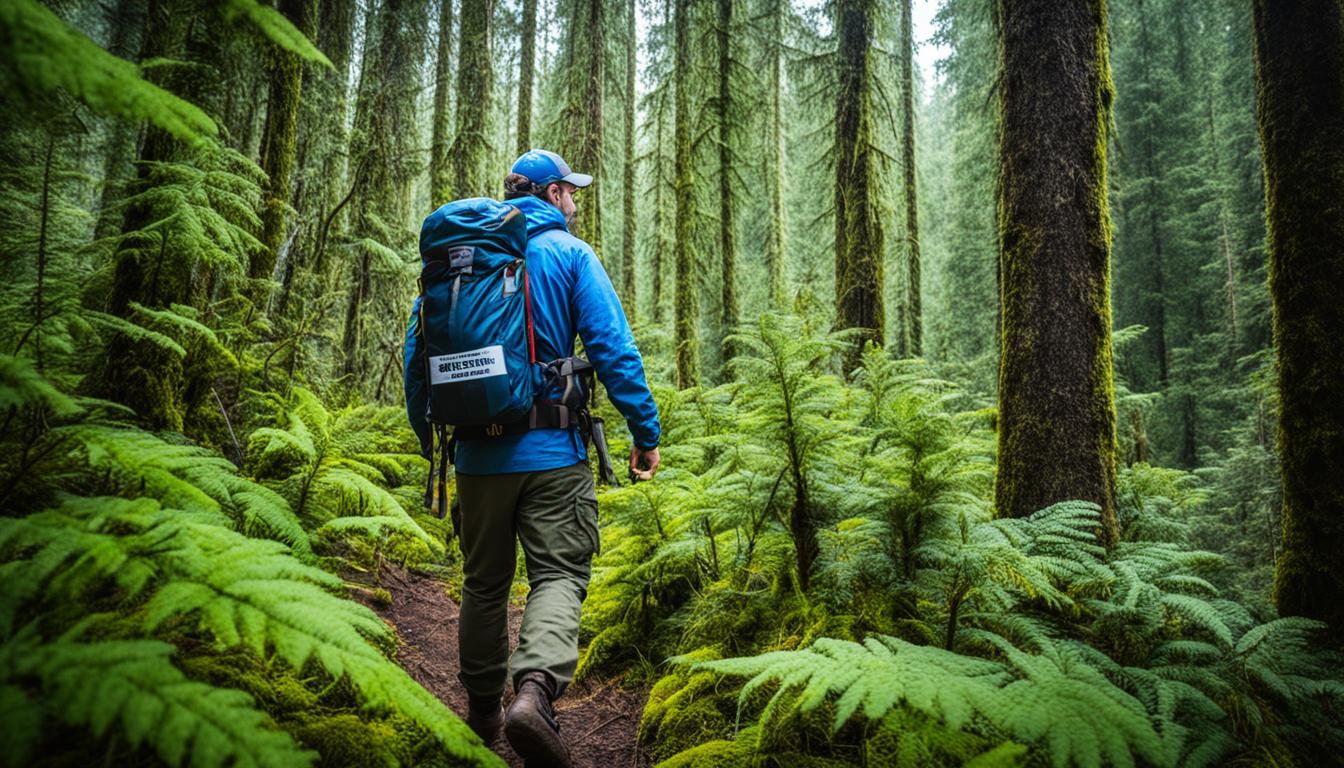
point(598, 719)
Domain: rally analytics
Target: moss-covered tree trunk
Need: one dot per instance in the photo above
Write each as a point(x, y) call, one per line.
point(384, 152)
point(475, 78)
point(686, 325)
point(139, 374)
point(776, 274)
point(527, 52)
point(1299, 55)
point(277, 145)
point(728, 316)
point(441, 130)
point(914, 320)
point(660, 238)
point(858, 227)
point(1056, 401)
point(628, 223)
point(583, 113)
point(322, 142)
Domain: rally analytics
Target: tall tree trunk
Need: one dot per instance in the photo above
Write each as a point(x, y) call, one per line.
point(1157, 266)
point(1056, 400)
point(914, 323)
point(583, 113)
point(135, 373)
point(385, 156)
point(282, 120)
point(526, 74)
point(440, 175)
point(727, 234)
point(321, 143)
point(858, 228)
point(118, 151)
point(660, 240)
point(628, 223)
point(777, 278)
point(687, 322)
point(1299, 55)
point(475, 79)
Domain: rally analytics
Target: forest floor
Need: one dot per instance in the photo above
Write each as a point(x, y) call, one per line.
point(598, 719)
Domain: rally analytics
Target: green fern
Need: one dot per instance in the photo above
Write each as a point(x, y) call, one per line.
point(1053, 700)
point(133, 685)
point(330, 466)
point(45, 54)
point(239, 592)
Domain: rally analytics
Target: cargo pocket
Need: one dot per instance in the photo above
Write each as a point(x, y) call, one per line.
point(585, 513)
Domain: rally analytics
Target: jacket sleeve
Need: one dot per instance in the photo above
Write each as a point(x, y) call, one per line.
point(611, 349)
point(417, 393)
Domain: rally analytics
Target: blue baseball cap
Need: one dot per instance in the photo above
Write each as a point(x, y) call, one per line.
point(543, 167)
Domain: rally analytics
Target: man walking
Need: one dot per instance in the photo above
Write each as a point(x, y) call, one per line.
point(537, 485)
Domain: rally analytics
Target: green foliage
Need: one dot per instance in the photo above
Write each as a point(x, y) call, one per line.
point(332, 469)
point(273, 24)
point(139, 691)
point(43, 54)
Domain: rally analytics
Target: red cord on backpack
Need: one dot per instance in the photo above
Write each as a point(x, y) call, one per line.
point(527, 308)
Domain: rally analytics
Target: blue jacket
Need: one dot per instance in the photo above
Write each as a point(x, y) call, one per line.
point(571, 296)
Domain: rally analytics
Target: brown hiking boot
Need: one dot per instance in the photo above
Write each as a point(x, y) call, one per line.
point(485, 719)
point(530, 725)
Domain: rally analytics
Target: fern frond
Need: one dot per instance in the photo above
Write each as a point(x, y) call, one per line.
point(133, 683)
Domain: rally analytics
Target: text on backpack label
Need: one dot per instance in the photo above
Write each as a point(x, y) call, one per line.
point(464, 366)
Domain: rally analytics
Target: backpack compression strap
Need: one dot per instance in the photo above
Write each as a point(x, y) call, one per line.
point(542, 416)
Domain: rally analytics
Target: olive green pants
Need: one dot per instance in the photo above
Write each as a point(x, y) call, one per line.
point(554, 514)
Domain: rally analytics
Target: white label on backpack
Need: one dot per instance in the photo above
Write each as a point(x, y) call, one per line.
point(465, 366)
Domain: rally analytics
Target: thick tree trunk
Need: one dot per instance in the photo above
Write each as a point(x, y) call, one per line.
point(628, 222)
point(475, 79)
point(914, 323)
point(282, 120)
point(1299, 55)
point(583, 113)
point(858, 228)
point(1056, 401)
point(140, 374)
point(385, 151)
point(727, 234)
point(440, 176)
point(775, 237)
point(321, 144)
point(687, 321)
point(526, 74)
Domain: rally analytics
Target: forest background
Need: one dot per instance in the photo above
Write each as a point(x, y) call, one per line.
point(1037, 520)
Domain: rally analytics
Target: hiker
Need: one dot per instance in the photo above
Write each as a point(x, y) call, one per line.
point(529, 478)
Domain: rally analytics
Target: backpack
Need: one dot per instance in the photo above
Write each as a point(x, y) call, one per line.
point(475, 324)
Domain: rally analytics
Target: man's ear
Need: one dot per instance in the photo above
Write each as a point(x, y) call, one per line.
point(552, 193)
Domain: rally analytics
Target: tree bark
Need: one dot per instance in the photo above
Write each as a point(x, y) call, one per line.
point(776, 271)
point(385, 150)
point(583, 113)
point(728, 317)
point(282, 120)
point(1299, 56)
point(858, 228)
point(628, 222)
point(687, 321)
point(914, 314)
point(475, 79)
point(1056, 400)
point(440, 176)
point(526, 74)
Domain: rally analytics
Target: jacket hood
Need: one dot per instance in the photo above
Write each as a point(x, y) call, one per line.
point(541, 215)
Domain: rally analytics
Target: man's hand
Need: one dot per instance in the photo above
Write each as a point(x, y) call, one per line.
point(643, 463)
